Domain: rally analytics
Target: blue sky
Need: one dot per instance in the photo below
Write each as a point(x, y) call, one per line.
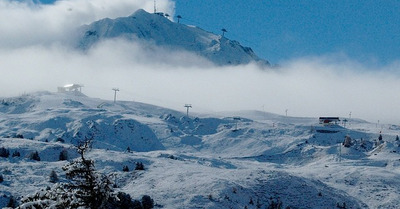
point(367, 31)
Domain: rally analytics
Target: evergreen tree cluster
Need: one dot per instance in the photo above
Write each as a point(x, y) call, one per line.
point(34, 156)
point(6, 153)
point(139, 166)
point(125, 168)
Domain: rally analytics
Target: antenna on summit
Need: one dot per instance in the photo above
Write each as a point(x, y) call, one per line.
point(155, 7)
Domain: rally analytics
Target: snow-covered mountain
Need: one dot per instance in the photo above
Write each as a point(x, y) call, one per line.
point(201, 162)
point(159, 30)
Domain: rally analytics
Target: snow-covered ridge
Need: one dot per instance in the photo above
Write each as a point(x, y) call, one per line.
point(200, 162)
point(157, 29)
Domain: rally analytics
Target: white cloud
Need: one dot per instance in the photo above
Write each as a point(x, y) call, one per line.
point(25, 23)
point(329, 85)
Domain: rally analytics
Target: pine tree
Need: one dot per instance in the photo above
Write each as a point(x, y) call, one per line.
point(147, 202)
point(12, 203)
point(4, 152)
point(53, 178)
point(63, 155)
point(347, 142)
point(136, 204)
point(60, 140)
point(93, 190)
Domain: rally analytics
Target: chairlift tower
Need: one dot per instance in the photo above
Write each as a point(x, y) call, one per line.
point(236, 119)
point(179, 17)
point(263, 109)
point(187, 109)
point(115, 93)
point(223, 32)
point(349, 118)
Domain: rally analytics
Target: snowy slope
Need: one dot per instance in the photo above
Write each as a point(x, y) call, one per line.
point(157, 29)
point(201, 162)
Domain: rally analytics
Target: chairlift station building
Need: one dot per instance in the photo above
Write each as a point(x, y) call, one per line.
point(326, 121)
point(70, 87)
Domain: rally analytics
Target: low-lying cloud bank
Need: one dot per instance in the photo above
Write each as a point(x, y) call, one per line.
point(306, 87)
point(26, 23)
point(330, 85)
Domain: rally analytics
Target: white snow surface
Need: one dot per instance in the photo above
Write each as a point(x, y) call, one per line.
point(208, 161)
point(155, 29)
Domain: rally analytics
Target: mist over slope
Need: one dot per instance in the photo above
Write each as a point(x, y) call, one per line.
point(157, 29)
point(208, 162)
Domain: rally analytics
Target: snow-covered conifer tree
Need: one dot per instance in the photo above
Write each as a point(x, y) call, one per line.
point(53, 178)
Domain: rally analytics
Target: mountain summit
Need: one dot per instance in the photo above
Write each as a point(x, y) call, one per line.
point(158, 29)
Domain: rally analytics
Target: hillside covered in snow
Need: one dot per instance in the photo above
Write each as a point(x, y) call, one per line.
point(158, 30)
point(245, 159)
